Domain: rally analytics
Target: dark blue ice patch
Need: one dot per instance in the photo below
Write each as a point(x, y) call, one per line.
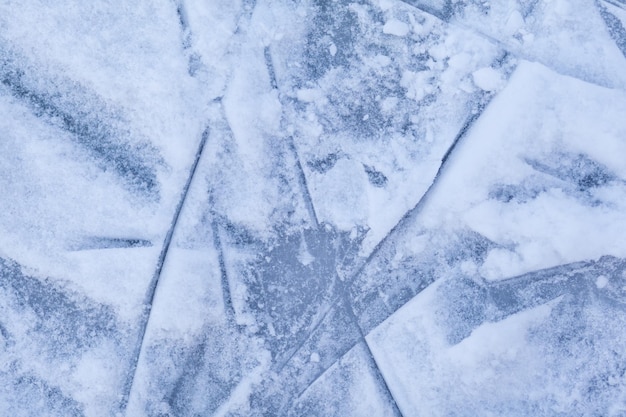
point(355, 108)
point(288, 289)
point(376, 178)
point(269, 64)
point(101, 242)
point(4, 333)
point(333, 23)
point(467, 303)
point(66, 322)
point(238, 235)
point(325, 164)
point(291, 280)
point(32, 396)
point(86, 117)
point(578, 170)
point(518, 193)
point(614, 25)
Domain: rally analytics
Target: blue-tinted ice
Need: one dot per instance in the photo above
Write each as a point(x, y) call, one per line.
point(261, 208)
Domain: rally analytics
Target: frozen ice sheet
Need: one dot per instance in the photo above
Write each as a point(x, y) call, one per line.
point(385, 205)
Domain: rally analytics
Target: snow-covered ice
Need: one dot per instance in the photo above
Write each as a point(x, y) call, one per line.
point(276, 207)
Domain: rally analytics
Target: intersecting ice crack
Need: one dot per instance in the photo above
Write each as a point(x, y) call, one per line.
point(195, 64)
point(342, 296)
point(148, 303)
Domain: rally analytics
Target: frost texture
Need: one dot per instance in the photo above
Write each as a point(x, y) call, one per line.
point(262, 208)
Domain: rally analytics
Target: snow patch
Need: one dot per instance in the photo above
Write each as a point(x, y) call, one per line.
point(396, 27)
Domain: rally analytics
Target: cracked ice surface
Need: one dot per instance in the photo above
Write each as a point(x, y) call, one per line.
point(374, 207)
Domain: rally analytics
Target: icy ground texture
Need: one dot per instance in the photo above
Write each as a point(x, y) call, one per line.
point(313, 208)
